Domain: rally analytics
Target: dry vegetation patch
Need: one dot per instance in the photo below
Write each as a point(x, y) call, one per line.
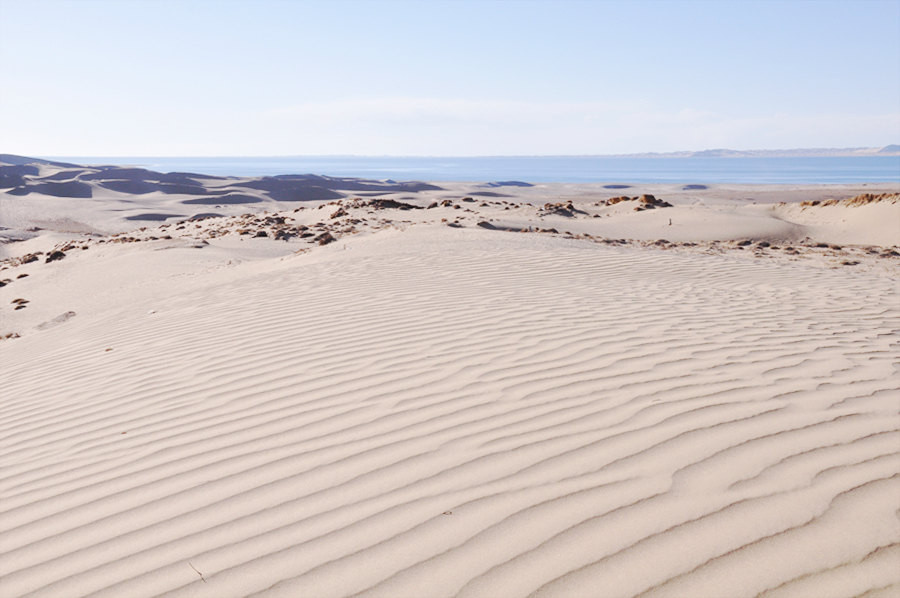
point(859, 200)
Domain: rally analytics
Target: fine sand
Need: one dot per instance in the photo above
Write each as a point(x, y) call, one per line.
point(464, 390)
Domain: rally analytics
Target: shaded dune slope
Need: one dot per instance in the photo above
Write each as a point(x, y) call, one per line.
point(446, 412)
point(22, 177)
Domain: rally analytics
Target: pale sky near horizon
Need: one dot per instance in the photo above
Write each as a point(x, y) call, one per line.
point(240, 77)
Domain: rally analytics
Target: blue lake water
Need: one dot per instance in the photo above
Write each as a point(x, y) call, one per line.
point(538, 169)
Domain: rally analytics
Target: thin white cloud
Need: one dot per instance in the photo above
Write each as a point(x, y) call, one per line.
point(433, 110)
point(434, 126)
point(481, 127)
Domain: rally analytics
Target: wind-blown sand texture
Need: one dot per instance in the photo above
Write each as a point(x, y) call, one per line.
point(405, 408)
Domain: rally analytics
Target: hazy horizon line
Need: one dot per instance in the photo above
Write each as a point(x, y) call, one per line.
point(676, 153)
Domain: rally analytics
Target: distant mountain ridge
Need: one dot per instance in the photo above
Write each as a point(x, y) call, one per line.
point(818, 152)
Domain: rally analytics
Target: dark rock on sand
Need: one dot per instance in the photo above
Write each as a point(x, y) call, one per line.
point(645, 202)
point(566, 209)
point(325, 238)
point(387, 204)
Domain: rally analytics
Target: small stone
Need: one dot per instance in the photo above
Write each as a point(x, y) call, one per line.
point(325, 238)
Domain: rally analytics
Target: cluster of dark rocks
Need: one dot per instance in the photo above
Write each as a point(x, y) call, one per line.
point(645, 202)
point(566, 209)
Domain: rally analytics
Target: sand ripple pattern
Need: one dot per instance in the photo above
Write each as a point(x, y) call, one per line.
point(463, 413)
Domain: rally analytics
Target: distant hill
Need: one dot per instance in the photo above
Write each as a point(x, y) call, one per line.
point(888, 150)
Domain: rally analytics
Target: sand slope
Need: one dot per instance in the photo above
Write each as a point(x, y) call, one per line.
point(451, 412)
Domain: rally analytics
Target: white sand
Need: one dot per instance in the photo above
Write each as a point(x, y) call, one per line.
point(418, 410)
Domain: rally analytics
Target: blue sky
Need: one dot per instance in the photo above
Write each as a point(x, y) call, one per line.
point(367, 77)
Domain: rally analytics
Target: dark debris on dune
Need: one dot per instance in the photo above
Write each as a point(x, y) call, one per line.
point(566, 209)
point(645, 202)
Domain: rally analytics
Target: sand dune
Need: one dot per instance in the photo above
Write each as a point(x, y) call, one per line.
point(415, 409)
point(504, 420)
